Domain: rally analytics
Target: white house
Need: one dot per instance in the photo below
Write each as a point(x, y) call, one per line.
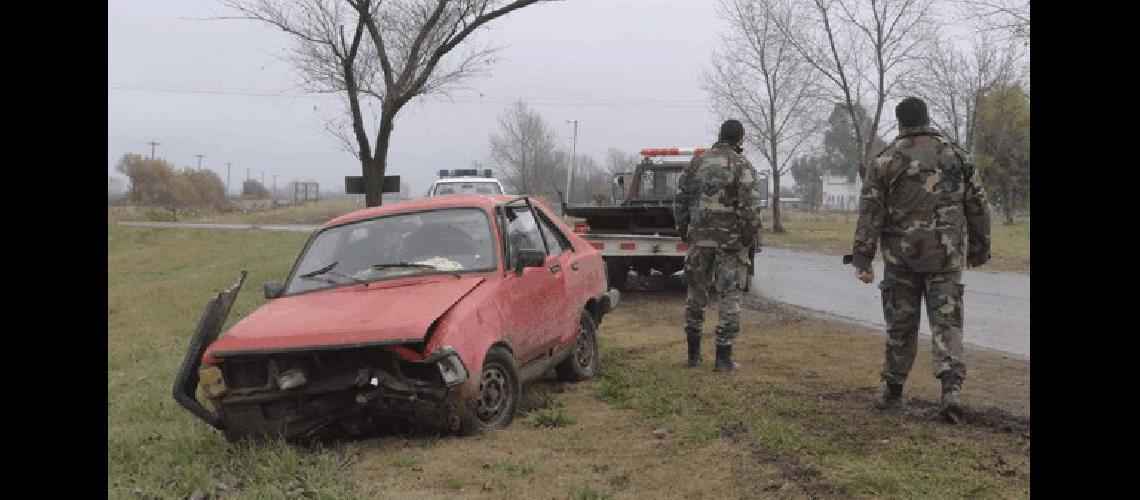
point(841, 193)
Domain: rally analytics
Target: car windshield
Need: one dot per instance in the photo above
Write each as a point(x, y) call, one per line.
point(450, 240)
point(477, 187)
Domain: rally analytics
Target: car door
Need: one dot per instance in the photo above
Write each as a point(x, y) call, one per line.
point(534, 295)
point(568, 277)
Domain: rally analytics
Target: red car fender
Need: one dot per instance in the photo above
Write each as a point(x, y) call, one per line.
point(472, 327)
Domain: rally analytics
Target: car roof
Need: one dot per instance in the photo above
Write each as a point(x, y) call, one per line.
point(482, 201)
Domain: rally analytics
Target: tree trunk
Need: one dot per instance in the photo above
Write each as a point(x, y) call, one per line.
point(777, 227)
point(1007, 205)
point(374, 170)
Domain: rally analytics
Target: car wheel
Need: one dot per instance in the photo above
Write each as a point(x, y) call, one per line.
point(582, 363)
point(494, 405)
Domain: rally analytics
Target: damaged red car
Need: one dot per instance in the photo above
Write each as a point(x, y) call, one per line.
point(432, 311)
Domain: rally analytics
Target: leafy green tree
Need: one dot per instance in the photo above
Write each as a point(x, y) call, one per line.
point(1001, 147)
point(808, 174)
point(841, 146)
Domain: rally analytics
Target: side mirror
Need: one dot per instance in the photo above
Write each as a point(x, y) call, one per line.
point(529, 258)
point(273, 289)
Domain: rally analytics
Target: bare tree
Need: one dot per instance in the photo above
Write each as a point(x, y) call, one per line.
point(862, 50)
point(1010, 18)
point(618, 161)
point(382, 52)
point(953, 80)
point(760, 77)
point(524, 149)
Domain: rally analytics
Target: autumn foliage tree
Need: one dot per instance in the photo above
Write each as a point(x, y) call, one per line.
point(154, 182)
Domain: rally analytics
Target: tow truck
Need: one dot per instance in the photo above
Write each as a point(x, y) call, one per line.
point(637, 231)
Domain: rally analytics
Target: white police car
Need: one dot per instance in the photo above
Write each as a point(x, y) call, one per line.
point(465, 181)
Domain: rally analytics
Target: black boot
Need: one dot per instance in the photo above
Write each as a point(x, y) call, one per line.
point(694, 351)
point(724, 362)
point(892, 397)
point(950, 407)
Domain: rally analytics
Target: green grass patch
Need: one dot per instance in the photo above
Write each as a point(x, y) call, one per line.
point(454, 484)
point(552, 417)
point(159, 281)
point(516, 469)
point(589, 492)
point(403, 460)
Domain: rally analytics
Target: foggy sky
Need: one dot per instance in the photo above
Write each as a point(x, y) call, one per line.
point(628, 70)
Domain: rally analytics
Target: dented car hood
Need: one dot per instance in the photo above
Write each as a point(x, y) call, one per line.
point(384, 312)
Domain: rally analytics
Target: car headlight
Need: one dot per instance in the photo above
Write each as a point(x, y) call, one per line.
point(291, 379)
point(210, 378)
point(452, 369)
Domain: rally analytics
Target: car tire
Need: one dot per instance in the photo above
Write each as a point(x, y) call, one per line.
point(494, 405)
point(583, 361)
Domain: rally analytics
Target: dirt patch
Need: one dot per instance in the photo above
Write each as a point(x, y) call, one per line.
point(606, 451)
point(796, 422)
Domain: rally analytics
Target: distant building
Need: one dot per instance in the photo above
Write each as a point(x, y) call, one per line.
point(841, 193)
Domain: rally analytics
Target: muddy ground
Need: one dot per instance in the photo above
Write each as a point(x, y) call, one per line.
point(796, 422)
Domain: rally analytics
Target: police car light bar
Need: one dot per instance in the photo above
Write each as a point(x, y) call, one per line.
point(672, 151)
point(464, 173)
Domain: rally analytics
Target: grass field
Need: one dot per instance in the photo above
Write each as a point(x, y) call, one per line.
point(158, 284)
point(833, 233)
point(796, 422)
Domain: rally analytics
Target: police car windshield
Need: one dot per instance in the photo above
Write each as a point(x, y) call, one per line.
point(468, 187)
point(450, 240)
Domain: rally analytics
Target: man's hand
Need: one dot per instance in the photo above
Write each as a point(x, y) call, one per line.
point(865, 275)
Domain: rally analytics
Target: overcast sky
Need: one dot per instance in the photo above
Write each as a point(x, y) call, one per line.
point(628, 70)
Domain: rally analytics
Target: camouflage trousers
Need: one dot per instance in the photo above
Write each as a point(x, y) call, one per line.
point(715, 270)
point(903, 292)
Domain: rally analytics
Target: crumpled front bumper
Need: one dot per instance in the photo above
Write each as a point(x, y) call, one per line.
point(186, 382)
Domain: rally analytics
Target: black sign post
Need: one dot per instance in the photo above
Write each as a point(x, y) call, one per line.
point(354, 184)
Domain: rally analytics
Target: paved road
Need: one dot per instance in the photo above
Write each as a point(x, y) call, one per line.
point(997, 304)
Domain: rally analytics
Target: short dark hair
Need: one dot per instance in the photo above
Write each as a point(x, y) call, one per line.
point(731, 131)
point(911, 112)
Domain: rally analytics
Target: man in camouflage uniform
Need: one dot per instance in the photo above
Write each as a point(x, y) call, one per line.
point(923, 197)
point(716, 215)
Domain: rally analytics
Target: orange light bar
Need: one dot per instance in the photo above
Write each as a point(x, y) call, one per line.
point(672, 151)
point(628, 246)
point(599, 246)
point(581, 227)
point(681, 247)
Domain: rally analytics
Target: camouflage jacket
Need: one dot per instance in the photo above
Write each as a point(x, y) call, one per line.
point(924, 198)
point(714, 205)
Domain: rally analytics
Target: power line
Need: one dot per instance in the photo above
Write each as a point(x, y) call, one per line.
point(597, 102)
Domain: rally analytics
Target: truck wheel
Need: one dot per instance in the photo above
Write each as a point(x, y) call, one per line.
point(495, 404)
point(583, 362)
point(617, 274)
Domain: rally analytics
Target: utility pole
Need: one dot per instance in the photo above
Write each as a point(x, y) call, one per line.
point(227, 179)
point(200, 161)
point(275, 186)
point(152, 145)
point(573, 159)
